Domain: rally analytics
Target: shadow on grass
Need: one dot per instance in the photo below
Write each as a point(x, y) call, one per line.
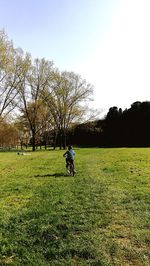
point(52, 175)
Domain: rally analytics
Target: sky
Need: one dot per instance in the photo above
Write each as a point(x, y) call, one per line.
point(107, 42)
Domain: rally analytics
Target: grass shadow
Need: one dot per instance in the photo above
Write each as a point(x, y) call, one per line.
point(52, 175)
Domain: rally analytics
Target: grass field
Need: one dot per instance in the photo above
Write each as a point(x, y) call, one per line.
point(99, 217)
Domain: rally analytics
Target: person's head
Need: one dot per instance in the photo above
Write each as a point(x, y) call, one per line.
point(69, 147)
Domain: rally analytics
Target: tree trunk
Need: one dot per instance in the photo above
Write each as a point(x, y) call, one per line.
point(21, 145)
point(60, 139)
point(45, 146)
point(33, 141)
point(55, 139)
point(64, 139)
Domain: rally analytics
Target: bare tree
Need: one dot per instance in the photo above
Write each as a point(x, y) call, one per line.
point(36, 79)
point(43, 94)
point(65, 98)
point(12, 64)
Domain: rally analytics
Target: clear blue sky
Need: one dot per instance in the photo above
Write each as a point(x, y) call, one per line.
point(106, 41)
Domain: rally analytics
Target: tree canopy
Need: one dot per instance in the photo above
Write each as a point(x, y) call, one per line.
point(39, 93)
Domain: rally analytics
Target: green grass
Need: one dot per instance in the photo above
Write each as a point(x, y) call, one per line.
point(99, 217)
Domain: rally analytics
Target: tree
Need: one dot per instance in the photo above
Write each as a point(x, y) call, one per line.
point(8, 135)
point(45, 97)
point(11, 63)
point(36, 79)
point(65, 98)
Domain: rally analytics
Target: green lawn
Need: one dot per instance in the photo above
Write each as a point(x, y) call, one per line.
point(99, 217)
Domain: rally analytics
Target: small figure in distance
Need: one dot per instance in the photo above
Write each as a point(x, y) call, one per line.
point(69, 155)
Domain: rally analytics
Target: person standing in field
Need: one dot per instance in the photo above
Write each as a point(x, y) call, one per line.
point(69, 155)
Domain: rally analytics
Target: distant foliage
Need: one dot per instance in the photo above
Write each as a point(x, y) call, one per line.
point(8, 135)
point(86, 135)
point(130, 128)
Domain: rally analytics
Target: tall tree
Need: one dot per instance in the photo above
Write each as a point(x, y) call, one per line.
point(11, 61)
point(36, 79)
point(65, 98)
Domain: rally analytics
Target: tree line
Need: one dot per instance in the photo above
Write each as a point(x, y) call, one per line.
point(128, 128)
point(38, 98)
point(39, 105)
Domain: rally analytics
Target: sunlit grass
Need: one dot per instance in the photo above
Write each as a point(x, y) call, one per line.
point(99, 217)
